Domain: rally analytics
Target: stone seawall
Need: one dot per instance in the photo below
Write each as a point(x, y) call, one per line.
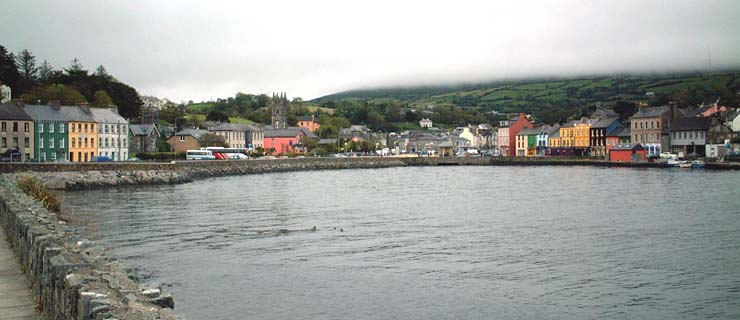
point(70, 277)
point(100, 175)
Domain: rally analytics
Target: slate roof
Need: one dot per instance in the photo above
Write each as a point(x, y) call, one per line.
point(604, 122)
point(141, 129)
point(43, 113)
point(652, 112)
point(691, 124)
point(529, 131)
point(304, 118)
point(226, 126)
point(288, 132)
point(76, 113)
point(195, 133)
point(327, 141)
point(13, 112)
point(105, 115)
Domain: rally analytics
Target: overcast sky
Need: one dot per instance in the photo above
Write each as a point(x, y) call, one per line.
point(200, 49)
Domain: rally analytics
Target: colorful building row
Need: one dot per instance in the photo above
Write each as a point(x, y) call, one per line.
point(55, 133)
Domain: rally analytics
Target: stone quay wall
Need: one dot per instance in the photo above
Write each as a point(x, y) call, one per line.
point(70, 277)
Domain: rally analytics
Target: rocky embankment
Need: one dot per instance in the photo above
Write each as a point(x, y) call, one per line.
point(71, 277)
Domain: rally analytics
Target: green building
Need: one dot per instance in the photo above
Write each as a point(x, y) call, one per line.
point(50, 133)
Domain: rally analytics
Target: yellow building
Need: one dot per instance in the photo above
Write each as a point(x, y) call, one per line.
point(554, 140)
point(582, 131)
point(83, 133)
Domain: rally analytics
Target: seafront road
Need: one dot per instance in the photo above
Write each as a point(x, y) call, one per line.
point(16, 301)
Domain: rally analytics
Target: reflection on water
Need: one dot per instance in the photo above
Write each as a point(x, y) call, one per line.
point(434, 243)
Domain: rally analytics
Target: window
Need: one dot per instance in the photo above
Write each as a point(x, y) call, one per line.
point(85, 127)
point(92, 127)
point(106, 128)
point(5, 142)
point(61, 143)
point(41, 143)
point(182, 138)
point(51, 143)
point(657, 124)
point(79, 127)
point(85, 143)
point(41, 127)
point(15, 143)
point(100, 142)
point(61, 128)
point(51, 127)
point(124, 143)
point(25, 127)
point(106, 142)
point(74, 143)
point(26, 142)
point(15, 126)
point(53, 156)
point(43, 156)
point(4, 129)
point(71, 127)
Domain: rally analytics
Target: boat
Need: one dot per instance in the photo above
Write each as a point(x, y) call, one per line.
point(697, 164)
point(684, 164)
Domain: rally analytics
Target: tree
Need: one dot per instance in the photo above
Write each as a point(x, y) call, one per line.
point(215, 115)
point(75, 69)
point(101, 72)
point(64, 94)
point(213, 140)
point(9, 74)
point(45, 71)
point(102, 99)
point(625, 109)
point(26, 63)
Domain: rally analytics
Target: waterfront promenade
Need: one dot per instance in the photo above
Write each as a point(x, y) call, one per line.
point(16, 301)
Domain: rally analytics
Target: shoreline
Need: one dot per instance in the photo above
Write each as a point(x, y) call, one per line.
point(85, 176)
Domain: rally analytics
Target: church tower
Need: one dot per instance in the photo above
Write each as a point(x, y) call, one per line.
point(279, 111)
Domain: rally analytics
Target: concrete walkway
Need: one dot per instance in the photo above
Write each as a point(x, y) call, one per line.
point(16, 301)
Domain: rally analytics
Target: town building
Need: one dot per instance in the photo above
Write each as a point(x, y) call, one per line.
point(255, 135)
point(598, 133)
point(310, 123)
point(143, 138)
point(50, 133)
point(503, 139)
point(425, 123)
point(554, 141)
point(516, 124)
point(543, 138)
point(631, 152)
point(689, 136)
point(16, 133)
point(187, 139)
point(235, 134)
point(113, 133)
point(83, 133)
point(618, 135)
point(526, 142)
point(282, 141)
point(279, 111)
point(649, 127)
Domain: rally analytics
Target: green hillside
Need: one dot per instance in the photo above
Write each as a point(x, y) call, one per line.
point(551, 99)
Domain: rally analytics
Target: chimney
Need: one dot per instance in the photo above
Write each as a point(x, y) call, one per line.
point(56, 104)
point(85, 107)
point(672, 112)
point(114, 108)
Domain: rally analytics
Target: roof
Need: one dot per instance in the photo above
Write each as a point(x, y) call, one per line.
point(105, 115)
point(288, 132)
point(446, 144)
point(43, 113)
point(555, 134)
point(305, 118)
point(604, 113)
point(13, 112)
point(693, 123)
point(627, 146)
point(76, 113)
point(604, 122)
point(651, 112)
point(226, 126)
point(141, 129)
point(529, 131)
point(195, 133)
point(327, 141)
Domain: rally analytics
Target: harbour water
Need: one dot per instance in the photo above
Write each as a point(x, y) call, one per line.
point(432, 243)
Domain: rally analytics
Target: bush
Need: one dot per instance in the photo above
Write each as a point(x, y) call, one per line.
point(32, 187)
point(161, 156)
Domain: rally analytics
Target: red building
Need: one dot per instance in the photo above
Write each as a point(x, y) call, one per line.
point(309, 123)
point(517, 124)
point(286, 140)
point(627, 153)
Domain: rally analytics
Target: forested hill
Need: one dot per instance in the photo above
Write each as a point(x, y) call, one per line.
point(559, 98)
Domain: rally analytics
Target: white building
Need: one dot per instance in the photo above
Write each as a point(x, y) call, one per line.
point(425, 123)
point(112, 133)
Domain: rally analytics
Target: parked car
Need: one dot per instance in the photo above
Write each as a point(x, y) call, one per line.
point(101, 159)
point(132, 159)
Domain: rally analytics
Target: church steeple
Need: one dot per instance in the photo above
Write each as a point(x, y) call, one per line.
point(279, 110)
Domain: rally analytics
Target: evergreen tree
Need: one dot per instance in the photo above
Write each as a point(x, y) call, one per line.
point(26, 63)
point(9, 74)
point(45, 71)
